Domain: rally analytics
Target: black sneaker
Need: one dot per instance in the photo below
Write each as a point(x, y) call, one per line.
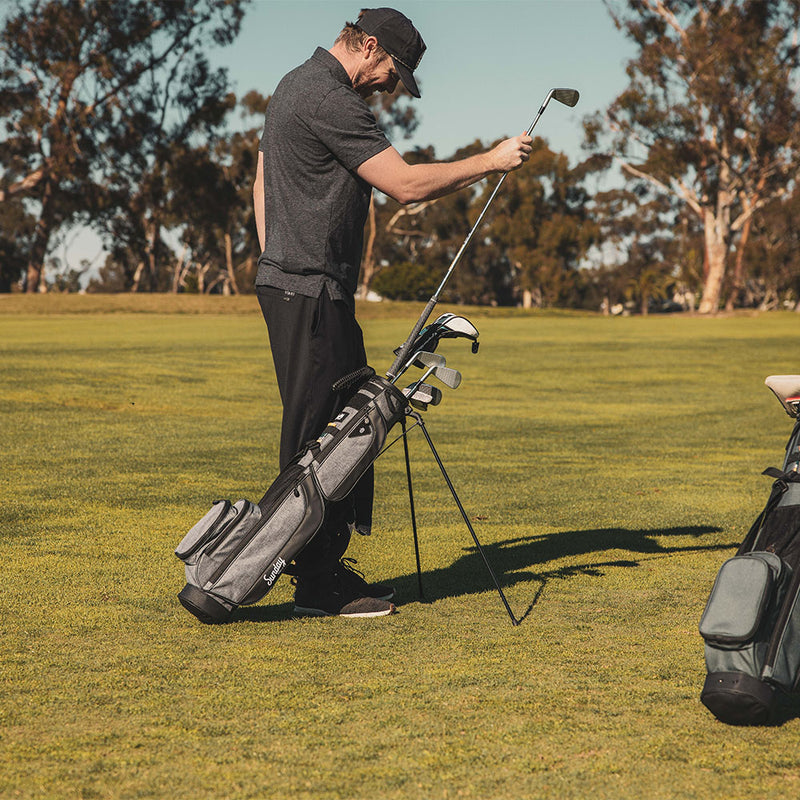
point(355, 579)
point(334, 595)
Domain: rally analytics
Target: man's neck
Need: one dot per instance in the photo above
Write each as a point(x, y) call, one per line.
point(347, 59)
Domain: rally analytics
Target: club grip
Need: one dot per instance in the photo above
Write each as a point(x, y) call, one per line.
point(404, 350)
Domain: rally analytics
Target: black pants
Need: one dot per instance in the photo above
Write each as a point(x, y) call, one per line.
point(314, 342)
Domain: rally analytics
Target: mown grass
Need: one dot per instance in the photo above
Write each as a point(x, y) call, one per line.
point(609, 465)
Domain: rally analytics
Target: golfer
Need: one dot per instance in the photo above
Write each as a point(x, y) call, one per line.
point(320, 156)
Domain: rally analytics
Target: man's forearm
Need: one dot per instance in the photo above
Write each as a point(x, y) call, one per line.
point(411, 183)
point(430, 181)
point(258, 210)
point(258, 201)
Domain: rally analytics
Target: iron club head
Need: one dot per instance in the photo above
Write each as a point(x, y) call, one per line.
point(569, 97)
point(436, 367)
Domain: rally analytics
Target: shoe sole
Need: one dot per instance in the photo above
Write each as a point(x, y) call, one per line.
point(318, 612)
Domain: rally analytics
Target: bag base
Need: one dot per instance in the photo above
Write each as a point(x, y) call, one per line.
point(738, 699)
point(203, 606)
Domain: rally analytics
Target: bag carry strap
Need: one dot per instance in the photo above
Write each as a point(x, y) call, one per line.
point(780, 475)
point(352, 378)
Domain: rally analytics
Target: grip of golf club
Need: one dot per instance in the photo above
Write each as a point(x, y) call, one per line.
point(403, 354)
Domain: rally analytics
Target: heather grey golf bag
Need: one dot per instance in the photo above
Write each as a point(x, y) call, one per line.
point(236, 552)
point(751, 623)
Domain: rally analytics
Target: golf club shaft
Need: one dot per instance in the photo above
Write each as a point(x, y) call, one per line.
point(395, 370)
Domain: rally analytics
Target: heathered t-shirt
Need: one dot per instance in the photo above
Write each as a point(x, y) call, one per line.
point(317, 132)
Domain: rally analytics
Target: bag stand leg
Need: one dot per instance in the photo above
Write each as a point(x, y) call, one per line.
point(413, 512)
point(421, 423)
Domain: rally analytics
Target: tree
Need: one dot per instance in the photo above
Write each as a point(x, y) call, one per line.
point(396, 116)
point(538, 227)
point(219, 231)
point(710, 115)
point(81, 81)
point(773, 251)
point(16, 232)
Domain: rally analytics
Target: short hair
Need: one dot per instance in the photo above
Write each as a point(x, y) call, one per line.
point(353, 38)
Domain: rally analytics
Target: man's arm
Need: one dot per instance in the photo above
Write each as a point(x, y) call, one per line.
point(258, 200)
point(411, 183)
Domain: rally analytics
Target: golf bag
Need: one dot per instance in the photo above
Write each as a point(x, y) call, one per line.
point(236, 552)
point(751, 623)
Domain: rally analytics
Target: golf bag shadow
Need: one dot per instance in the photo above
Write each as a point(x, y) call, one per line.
point(234, 555)
point(751, 623)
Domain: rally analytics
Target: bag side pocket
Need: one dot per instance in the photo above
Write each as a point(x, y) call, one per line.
point(742, 593)
point(205, 531)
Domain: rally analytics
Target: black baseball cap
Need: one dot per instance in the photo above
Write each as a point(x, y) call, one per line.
point(399, 38)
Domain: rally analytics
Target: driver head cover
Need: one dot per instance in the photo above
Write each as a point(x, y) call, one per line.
point(399, 38)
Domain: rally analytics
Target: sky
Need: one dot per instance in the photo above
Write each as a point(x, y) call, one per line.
point(487, 68)
point(488, 65)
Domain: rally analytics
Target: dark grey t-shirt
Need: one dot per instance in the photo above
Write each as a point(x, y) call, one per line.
point(317, 132)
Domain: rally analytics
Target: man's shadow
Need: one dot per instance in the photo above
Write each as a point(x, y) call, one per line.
point(519, 561)
point(516, 561)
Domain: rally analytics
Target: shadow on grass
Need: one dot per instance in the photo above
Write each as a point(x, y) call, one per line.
point(514, 561)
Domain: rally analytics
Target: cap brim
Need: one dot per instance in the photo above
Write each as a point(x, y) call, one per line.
point(407, 76)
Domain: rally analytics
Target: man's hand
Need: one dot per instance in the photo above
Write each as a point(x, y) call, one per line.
point(511, 154)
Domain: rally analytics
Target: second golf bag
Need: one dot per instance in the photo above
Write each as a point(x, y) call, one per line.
point(751, 623)
point(237, 551)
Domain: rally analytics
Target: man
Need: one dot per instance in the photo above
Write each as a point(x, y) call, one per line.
point(320, 156)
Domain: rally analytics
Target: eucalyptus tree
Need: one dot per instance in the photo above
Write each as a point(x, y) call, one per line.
point(87, 88)
point(710, 114)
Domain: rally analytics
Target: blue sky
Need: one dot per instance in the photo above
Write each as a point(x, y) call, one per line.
point(487, 68)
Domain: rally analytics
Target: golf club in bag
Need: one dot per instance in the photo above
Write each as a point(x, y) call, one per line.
point(234, 555)
point(751, 623)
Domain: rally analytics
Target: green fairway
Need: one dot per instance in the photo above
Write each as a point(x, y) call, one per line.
point(610, 465)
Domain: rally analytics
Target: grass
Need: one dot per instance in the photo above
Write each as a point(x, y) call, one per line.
point(610, 466)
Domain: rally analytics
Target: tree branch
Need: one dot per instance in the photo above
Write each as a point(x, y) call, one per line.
point(684, 194)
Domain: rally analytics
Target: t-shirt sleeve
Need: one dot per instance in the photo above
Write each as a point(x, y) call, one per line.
point(346, 126)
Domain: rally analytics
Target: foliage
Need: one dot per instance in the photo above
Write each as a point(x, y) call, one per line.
point(94, 94)
point(710, 115)
point(532, 238)
point(406, 281)
point(772, 256)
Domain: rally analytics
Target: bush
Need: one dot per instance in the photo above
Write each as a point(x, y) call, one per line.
point(405, 281)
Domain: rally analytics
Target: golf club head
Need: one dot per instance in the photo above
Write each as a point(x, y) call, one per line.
point(456, 327)
point(569, 97)
point(447, 326)
point(436, 365)
point(434, 360)
point(421, 395)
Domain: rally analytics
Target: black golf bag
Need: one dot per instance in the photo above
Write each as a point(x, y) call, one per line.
point(751, 623)
point(236, 552)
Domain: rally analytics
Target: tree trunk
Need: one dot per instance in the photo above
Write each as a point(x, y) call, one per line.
point(231, 284)
point(368, 261)
point(41, 238)
point(178, 273)
point(716, 234)
point(152, 254)
point(137, 277)
point(527, 298)
point(738, 270)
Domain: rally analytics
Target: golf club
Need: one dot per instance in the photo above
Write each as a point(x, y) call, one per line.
point(437, 367)
point(447, 326)
point(423, 395)
point(568, 97)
